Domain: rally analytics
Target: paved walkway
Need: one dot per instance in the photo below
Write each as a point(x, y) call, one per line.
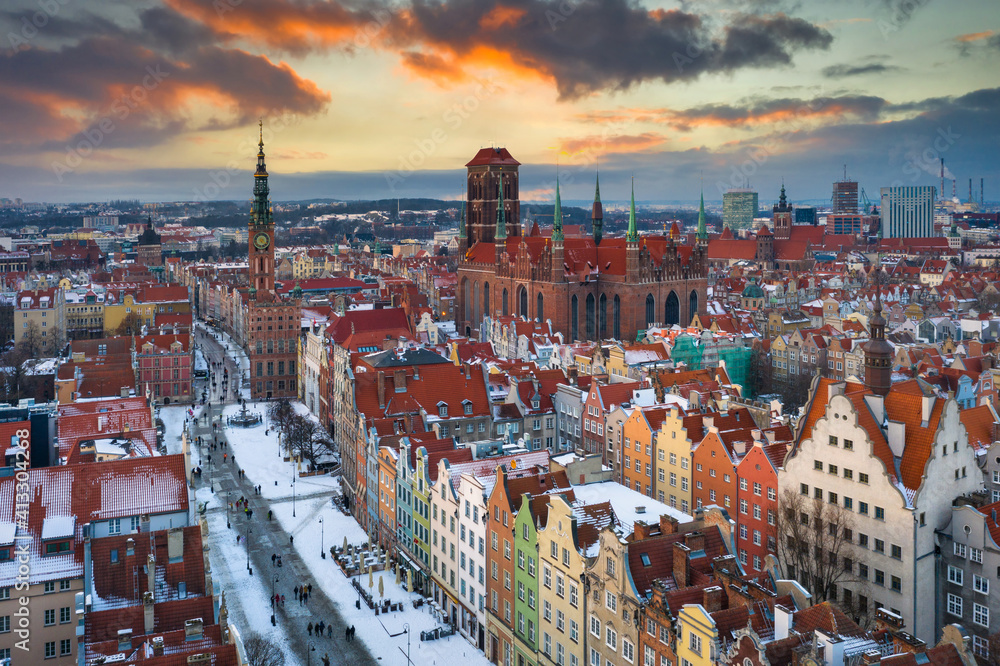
point(268, 537)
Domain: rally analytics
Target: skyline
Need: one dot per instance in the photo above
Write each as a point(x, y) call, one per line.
point(373, 100)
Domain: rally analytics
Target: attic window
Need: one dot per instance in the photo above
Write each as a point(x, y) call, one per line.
point(467, 405)
point(534, 403)
point(645, 560)
point(443, 410)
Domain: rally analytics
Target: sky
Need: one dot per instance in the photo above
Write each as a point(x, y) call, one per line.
point(160, 100)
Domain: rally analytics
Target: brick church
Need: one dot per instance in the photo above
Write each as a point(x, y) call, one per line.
point(591, 288)
point(273, 323)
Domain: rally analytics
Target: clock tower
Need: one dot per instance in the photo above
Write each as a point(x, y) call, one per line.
point(273, 318)
point(261, 231)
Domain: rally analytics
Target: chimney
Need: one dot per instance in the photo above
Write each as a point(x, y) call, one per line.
point(641, 530)
point(712, 598)
point(124, 391)
point(399, 380)
point(926, 407)
point(157, 646)
point(193, 629)
point(124, 639)
point(782, 622)
point(130, 547)
point(695, 540)
point(150, 574)
point(468, 371)
point(896, 434)
point(175, 545)
point(668, 524)
point(147, 612)
point(381, 389)
point(681, 553)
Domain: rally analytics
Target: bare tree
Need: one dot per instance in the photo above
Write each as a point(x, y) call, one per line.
point(307, 440)
point(261, 651)
point(281, 414)
point(31, 343)
point(813, 538)
point(131, 325)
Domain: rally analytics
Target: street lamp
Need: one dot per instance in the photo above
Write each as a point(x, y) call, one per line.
point(293, 492)
point(309, 654)
point(249, 532)
point(272, 599)
point(228, 504)
point(406, 630)
point(322, 552)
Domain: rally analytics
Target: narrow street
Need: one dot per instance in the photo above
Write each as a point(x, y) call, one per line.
point(265, 537)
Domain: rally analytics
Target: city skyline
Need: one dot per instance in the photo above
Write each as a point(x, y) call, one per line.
point(377, 100)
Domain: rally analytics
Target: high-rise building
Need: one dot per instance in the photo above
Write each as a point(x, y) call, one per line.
point(273, 323)
point(908, 211)
point(739, 208)
point(845, 196)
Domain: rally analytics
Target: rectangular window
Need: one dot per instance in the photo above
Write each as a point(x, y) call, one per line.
point(879, 513)
point(980, 584)
point(981, 615)
point(50, 649)
point(956, 575)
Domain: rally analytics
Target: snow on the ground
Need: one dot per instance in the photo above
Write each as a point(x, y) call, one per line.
point(247, 597)
point(256, 452)
point(374, 631)
point(173, 425)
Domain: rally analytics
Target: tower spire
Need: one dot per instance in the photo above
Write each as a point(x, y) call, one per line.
point(260, 210)
point(878, 351)
point(501, 231)
point(702, 233)
point(461, 220)
point(597, 213)
point(633, 231)
point(557, 221)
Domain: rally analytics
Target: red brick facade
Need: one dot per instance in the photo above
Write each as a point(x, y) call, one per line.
point(590, 289)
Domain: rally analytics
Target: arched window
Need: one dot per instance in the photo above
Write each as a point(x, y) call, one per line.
point(475, 302)
point(591, 323)
point(466, 300)
point(504, 309)
point(486, 300)
point(672, 312)
point(692, 304)
point(616, 317)
point(602, 316)
point(650, 309)
point(574, 318)
point(540, 307)
point(523, 301)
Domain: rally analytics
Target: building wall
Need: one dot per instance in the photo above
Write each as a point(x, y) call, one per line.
point(908, 211)
point(59, 636)
point(637, 455)
point(527, 605)
point(672, 441)
point(560, 556)
point(499, 575)
point(756, 509)
point(273, 343)
point(714, 475)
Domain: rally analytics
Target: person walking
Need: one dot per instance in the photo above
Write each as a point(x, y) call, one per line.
point(309, 628)
point(326, 659)
point(282, 601)
point(329, 631)
point(322, 627)
point(291, 539)
point(274, 559)
point(309, 588)
point(269, 514)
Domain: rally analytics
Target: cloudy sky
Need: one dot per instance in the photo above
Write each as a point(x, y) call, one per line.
point(160, 99)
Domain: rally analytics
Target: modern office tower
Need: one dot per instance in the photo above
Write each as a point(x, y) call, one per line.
point(739, 208)
point(908, 211)
point(845, 196)
point(805, 215)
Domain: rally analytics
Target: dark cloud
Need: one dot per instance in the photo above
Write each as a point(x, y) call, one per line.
point(135, 87)
point(584, 45)
point(845, 70)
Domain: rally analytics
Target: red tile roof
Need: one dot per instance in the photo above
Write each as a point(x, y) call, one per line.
point(493, 157)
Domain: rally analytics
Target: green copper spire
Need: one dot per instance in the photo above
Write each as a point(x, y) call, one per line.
point(597, 213)
point(260, 209)
point(557, 221)
point(501, 232)
point(702, 228)
point(633, 230)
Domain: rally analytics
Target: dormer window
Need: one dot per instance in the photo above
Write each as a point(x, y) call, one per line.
point(534, 402)
point(467, 406)
point(443, 410)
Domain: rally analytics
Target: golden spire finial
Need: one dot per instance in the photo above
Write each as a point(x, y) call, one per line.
point(260, 124)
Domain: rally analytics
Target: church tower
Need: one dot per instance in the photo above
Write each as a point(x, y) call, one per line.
point(878, 352)
point(493, 171)
point(632, 243)
point(558, 240)
point(702, 234)
point(261, 230)
point(781, 217)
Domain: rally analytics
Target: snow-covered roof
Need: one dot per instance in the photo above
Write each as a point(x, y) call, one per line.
point(629, 505)
point(58, 527)
point(7, 531)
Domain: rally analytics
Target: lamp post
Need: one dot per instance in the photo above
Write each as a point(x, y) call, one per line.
point(293, 492)
point(228, 524)
point(406, 630)
point(248, 533)
point(309, 654)
point(275, 580)
point(322, 551)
